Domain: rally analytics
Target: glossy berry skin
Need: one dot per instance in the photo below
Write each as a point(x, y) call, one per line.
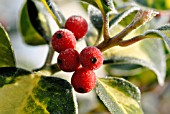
point(77, 25)
point(91, 58)
point(62, 40)
point(83, 80)
point(68, 60)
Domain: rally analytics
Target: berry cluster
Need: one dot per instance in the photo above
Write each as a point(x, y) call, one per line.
point(69, 60)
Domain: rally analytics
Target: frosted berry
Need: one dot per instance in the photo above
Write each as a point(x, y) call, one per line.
point(91, 58)
point(62, 40)
point(83, 80)
point(77, 25)
point(68, 60)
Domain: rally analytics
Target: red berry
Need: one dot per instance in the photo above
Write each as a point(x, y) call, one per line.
point(158, 15)
point(83, 80)
point(77, 25)
point(68, 60)
point(62, 40)
point(91, 58)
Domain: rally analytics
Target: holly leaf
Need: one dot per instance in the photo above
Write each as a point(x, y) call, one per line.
point(95, 17)
point(156, 4)
point(91, 2)
point(162, 32)
point(123, 69)
point(53, 9)
point(7, 58)
point(33, 24)
point(124, 18)
point(119, 95)
point(106, 6)
point(23, 92)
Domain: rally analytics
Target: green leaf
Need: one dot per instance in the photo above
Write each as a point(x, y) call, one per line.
point(106, 6)
point(91, 2)
point(156, 4)
point(95, 17)
point(23, 92)
point(34, 25)
point(7, 58)
point(124, 18)
point(162, 32)
point(142, 53)
point(53, 9)
point(119, 96)
point(123, 69)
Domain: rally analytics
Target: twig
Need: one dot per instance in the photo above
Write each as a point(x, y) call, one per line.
point(106, 26)
point(140, 18)
point(131, 41)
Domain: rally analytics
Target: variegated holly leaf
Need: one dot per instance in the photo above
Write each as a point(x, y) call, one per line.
point(119, 96)
point(7, 58)
point(33, 24)
point(124, 18)
point(95, 16)
point(55, 12)
point(106, 6)
point(156, 4)
point(162, 32)
point(23, 92)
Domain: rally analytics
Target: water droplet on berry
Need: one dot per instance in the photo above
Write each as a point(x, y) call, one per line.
point(59, 35)
point(93, 60)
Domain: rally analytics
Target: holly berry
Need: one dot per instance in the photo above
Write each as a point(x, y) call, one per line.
point(68, 60)
point(62, 40)
point(77, 25)
point(158, 15)
point(83, 80)
point(91, 58)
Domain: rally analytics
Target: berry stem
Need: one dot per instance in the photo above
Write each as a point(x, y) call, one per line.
point(48, 68)
point(49, 56)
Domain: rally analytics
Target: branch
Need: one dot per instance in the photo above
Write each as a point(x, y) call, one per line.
point(140, 18)
point(131, 41)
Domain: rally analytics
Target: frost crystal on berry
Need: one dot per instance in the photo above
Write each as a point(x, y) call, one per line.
point(77, 25)
point(62, 40)
point(83, 80)
point(68, 60)
point(91, 58)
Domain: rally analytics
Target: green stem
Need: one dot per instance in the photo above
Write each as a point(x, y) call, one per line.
point(49, 56)
point(48, 68)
